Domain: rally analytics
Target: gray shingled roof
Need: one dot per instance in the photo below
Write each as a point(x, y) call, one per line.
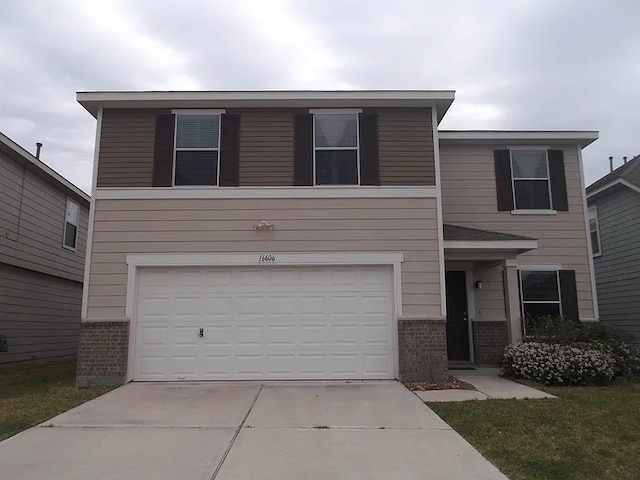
point(454, 232)
point(629, 171)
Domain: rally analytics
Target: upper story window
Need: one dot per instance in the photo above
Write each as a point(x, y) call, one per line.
point(197, 149)
point(336, 149)
point(594, 230)
point(72, 219)
point(531, 182)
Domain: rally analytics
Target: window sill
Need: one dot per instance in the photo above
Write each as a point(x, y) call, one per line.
point(533, 212)
point(71, 249)
point(596, 255)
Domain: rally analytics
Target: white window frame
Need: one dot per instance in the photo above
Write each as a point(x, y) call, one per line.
point(198, 112)
point(513, 179)
point(346, 111)
point(77, 225)
point(523, 301)
point(592, 214)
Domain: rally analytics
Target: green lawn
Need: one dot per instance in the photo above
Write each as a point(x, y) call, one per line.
point(588, 433)
point(32, 394)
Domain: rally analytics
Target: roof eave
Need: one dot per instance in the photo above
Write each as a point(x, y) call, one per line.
point(441, 100)
point(520, 246)
point(583, 138)
point(50, 173)
point(614, 183)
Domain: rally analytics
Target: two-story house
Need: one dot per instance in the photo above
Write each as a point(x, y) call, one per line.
point(321, 235)
point(43, 237)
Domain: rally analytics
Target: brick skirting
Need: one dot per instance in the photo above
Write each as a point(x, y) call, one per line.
point(489, 340)
point(102, 355)
point(422, 345)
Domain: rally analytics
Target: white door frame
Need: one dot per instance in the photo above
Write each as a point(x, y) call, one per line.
point(266, 260)
point(467, 267)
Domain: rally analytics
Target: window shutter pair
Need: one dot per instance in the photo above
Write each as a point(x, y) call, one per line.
point(504, 186)
point(229, 150)
point(303, 150)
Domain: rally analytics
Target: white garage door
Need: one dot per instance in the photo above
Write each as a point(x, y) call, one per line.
point(264, 323)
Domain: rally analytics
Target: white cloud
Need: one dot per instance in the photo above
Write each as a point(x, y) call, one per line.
point(522, 64)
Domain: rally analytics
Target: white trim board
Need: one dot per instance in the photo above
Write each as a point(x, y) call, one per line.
point(441, 261)
point(136, 261)
point(158, 193)
point(244, 259)
point(92, 214)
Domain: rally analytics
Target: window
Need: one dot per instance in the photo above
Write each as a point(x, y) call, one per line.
point(594, 230)
point(531, 185)
point(72, 217)
point(197, 149)
point(540, 295)
point(336, 142)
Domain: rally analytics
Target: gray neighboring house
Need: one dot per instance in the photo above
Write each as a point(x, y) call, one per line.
point(43, 239)
point(614, 218)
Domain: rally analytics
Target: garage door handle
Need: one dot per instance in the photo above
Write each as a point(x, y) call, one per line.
point(201, 334)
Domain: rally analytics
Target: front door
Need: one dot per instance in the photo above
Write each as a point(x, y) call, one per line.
point(457, 317)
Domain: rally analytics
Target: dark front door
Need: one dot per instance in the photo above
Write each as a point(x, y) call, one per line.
point(457, 317)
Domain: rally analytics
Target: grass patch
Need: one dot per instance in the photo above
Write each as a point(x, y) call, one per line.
point(588, 433)
point(32, 394)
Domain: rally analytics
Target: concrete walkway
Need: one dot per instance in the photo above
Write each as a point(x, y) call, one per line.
point(488, 385)
point(319, 430)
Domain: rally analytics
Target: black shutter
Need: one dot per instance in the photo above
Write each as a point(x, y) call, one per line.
point(163, 153)
point(303, 150)
point(569, 294)
point(504, 189)
point(558, 181)
point(369, 163)
point(229, 150)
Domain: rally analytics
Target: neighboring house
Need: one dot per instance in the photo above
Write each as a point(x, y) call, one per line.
point(43, 236)
point(614, 217)
point(314, 235)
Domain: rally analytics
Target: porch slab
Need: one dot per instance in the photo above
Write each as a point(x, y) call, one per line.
point(450, 395)
point(487, 381)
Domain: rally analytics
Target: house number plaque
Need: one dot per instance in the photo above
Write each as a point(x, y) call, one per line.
point(266, 258)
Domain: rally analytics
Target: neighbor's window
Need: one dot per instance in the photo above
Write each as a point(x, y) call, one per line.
point(197, 149)
point(594, 229)
point(531, 186)
point(72, 217)
point(540, 294)
point(336, 149)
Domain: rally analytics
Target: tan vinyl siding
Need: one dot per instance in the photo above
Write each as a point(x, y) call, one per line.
point(405, 143)
point(405, 225)
point(266, 148)
point(32, 221)
point(127, 145)
point(469, 199)
point(39, 315)
point(490, 300)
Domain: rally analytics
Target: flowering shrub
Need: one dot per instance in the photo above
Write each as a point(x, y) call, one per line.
point(555, 364)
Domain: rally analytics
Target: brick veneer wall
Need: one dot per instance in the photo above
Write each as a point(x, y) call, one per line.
point(489, 339)
point(422, 345)
point(102, 355)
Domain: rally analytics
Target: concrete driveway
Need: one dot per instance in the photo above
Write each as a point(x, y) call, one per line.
point(224, 431)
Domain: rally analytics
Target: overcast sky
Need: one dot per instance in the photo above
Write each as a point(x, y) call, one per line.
point(532, 64)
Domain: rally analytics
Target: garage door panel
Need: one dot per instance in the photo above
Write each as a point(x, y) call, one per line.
point(264, 323)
